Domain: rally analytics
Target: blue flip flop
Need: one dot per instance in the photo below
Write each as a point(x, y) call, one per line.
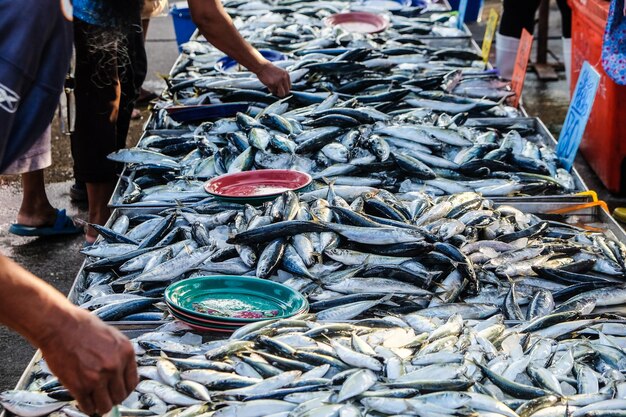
point(63, 225)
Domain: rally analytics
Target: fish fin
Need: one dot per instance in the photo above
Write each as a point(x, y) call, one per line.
point(316, 280)
point(316, 219)
point(80, 222)
point(328, 181)
point(459, 119)
point(386, 298)
point(451, 80)
point(168, 81)
point(520, 243)
point(348, 103)
point(292, 161)
point(503, 100)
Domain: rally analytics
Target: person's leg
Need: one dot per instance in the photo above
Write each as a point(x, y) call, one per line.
point(566, 26)
point(31, 79)
point(144, 26)
point(35, 209)
point(145, 96)
point(566, 18)
point(98, 194)
point(97, 94)
point(36, 216)
point(128, 79)
point(132, 77)
point(516, 16)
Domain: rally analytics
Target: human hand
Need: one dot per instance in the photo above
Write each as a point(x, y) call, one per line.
point(95, 362)
point(275, 79)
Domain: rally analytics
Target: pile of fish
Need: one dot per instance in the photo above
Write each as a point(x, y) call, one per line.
point(299, 29)
point(375, 69)
point(434, 155)
point(354, 250)
point(383, 77)
point(384, 110)
point(288, 29)
point(427, 298)
point(374, 111)
point(409, 365)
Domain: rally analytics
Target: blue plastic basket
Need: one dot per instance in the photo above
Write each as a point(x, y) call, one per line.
point(183, 25)
point(474, 8)
point(225, 63)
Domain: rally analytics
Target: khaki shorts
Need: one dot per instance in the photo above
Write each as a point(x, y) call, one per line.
point(39, 156)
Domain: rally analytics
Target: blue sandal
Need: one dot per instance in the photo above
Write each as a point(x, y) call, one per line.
point(63, 225)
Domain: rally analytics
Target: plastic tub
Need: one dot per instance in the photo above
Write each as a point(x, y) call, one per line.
point(183, 25)
point(604, 141)
point(474, 9)
point(226, 63)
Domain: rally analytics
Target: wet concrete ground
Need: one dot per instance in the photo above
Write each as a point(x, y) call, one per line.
point(57, 260)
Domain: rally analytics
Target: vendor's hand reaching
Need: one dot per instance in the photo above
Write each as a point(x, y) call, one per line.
point(275, 79)
point(95, 362)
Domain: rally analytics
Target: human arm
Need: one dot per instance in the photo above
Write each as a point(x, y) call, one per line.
point(218, 28)
point(95, 362)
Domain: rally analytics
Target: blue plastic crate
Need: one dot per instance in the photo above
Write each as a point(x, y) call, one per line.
point(474, 8)
point(183, 25)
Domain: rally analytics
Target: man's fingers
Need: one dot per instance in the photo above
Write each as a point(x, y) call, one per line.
point(102, 399)
point(131, 379)
point(85, 403)
point(117, 388)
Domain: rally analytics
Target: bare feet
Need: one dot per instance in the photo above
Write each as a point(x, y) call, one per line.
point(37, 216)
point(100, 217)
point(35, 210)
point(99, 212)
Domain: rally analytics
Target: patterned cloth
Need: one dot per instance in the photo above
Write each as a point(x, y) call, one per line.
point(614, 46)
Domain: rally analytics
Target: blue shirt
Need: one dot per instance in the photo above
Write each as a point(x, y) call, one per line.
point(92, 12)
